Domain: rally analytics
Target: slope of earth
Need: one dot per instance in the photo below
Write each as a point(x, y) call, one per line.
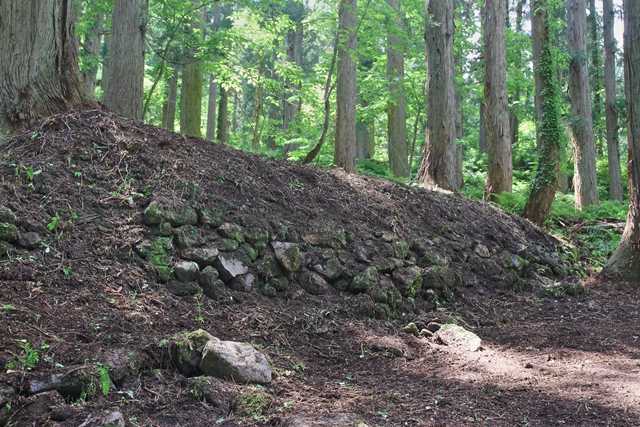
point(115, 237)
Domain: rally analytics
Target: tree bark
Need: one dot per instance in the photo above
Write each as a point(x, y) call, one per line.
point(397, 104)
point(169, 113)
point(91, 47)
point(39, 74)
point(585, 175)
point(520, 14)
point(212, 109)
point(345, 143)
point(191, 116)
point(497, 124)
point(294, 42)
point(548, 130)
point(625, 261)
point(125, 89)
point(440, 157)
point(613, 149)
point(596, 73)
point(222, 132)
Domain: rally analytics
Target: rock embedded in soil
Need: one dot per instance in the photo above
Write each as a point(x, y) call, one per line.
point(458, 337)
point(8, 232)
point(408, 280)
point(288, 255)
point(36, 410)
point(187, 236)
point(231, 231)
point(29, 240)
point(105, 419)
point(217, 393)
point(235, 361)
point(313, 283)
point(365, 280)
point(230, 267)
point(203, 256)
point(7, 215)
point(187, 271)
point(5, 249)
point(183, 289)
point(243, 283)
point(326, 239)
point(212, 218)
point(155, 214)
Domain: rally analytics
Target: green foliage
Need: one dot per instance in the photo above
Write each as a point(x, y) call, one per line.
point(105, 379)
point(29, 356)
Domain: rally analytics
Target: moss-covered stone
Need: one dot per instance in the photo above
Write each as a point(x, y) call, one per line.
point(5, 249)
point(408, 280)
point(288, 255)
point(251, 253)
point(8, 232)
point(212, 218)
point(7, 215)
point(231, 231)
point(229, 245)
point(187, 236)
point(155, 214)
point(365, 280)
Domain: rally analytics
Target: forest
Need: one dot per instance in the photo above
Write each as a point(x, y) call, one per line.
point(319, 212)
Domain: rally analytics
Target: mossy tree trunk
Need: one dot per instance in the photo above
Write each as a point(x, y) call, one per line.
point(496, 123)
point(613, 149)
point(39, 73)
point(169, 107)
point(548, 127)
point(625, 261)
point(397, 105)
point(440, 157)
point(125, 88)
point(345, 142)
point(222, 133)
point(585, 175)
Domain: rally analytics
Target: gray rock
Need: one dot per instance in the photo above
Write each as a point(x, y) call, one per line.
point(365, 280)
point(326, 239)
point(408, 280)
point(329, 267)
point(288, 255)
point(387, 265)
point(8, 232)
point(187, 236)
point(122, 363)
point(208, 277)
point(229, 245)
point(106, 419)
point(30, 240)
point(212, 218)
point(458, 337)
point(5, 249)
point(268, 290)
point(313, 283)
point(230, 267)
point(155, 214)
point(7, 215)
point(7, 394)
point(187, 271)
point(217, 393)
point(482, 251)
point(182, 289)
point(231, 231)
point(203, 256)
point(235, 361)
point(243, 283)
point(183, 351)
point(385, 292)
point(434, 326)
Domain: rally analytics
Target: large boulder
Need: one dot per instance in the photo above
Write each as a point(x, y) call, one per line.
point(235, 361)
point(288, 255)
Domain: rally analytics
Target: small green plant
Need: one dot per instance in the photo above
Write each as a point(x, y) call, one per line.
point(29, 356)
point(105, 379)
point(295, 184)
point(54, 223)
point(253, 404)
point(67, 271)
point(199, 308)
point(8, 308)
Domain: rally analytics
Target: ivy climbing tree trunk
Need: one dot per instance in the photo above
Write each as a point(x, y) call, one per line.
point(496, 111)
point(47, 79)
point(548, 127)
point(125, 88)
point(584, 149)
point(345, 143)
point(397, 104)
point(625, 262)
point(440, 157)
point(613, 149)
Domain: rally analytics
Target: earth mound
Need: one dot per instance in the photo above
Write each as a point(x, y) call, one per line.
point(116, 236)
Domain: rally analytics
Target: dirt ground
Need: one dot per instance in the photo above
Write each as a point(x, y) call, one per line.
point(543, 361)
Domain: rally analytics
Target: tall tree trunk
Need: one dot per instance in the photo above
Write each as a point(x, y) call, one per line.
point(613, 149)
point(596, 73)
point(585, 175)
point(548, 128)
point(39, 74)
point(106, 65)
point(440, 158)
point(169, 113)
point(257, 115)
point(91, 47)
point(625, 261)
point(211, 109)
point(520, 14)
point(397, 105)
point(497, 125)
point(365, 126)
point(345, 145)
point(294, 41)
point(126, 58)
point(191, 117)
point(222, 133)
